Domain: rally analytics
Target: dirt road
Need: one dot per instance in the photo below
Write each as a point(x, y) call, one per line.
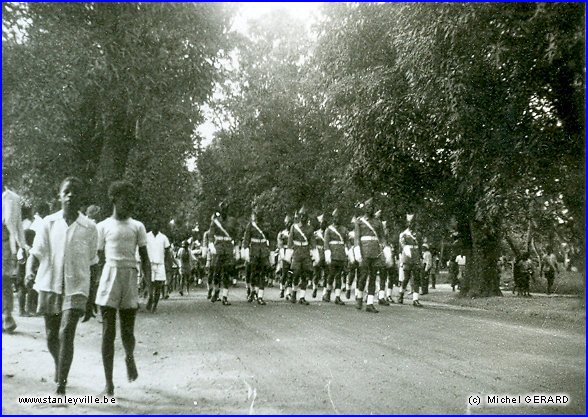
point(198, 358)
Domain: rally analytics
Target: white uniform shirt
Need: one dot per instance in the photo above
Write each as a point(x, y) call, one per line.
point(461, 260)
point(65, 254)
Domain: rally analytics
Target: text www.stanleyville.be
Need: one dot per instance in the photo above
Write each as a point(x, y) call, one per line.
point(68, 400)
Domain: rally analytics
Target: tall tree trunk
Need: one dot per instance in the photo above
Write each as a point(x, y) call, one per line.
point(118, 141)
point(482, 274)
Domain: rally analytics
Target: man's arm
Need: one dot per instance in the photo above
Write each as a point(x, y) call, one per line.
point(145, 263)
point(32, 266)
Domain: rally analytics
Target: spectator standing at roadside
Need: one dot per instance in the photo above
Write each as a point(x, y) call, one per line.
point(550, 268)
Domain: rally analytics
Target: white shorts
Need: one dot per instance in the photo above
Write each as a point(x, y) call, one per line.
point(157, 272)
point(118, 288)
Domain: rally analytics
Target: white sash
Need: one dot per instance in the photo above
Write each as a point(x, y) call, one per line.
point(370, 226)
point(220, 226)
point(302, 234)
point(338, 234)
point(259, 230)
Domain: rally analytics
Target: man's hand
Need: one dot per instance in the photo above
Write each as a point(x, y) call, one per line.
point(89, 312)
point(30, 281)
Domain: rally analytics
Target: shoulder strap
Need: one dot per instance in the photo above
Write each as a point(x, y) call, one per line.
point(338, 234)
point(370, 226)
point(258, 229)
point(302, 234)
point(220, 226)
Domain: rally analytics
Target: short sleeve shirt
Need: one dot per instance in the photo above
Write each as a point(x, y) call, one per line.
point(65, 254)
point(119, 239)
point(156, 246)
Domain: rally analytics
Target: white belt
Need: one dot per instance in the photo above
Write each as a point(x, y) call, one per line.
point(223, 238)
point(364, 238)
point(299, 243)
point(255, 240)
point(335, 242)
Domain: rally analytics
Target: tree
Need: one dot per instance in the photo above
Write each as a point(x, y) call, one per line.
point(276, 150)
point(457, 105)
point(108, 91)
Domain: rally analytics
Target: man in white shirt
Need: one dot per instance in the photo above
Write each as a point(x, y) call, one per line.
point(64, 249)
point(157, 247)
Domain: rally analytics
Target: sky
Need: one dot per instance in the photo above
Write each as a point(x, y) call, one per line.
point(303, 10)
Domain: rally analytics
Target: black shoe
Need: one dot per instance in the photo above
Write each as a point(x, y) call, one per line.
point(327, 297)
point(359, 303)
point(209, 296)
point(339, 302)
point(215, 296)
point(293, 297)
point(261, 302)
point(132, 373)
point(182, 293)
point(281, 293)
point(250, 297)
point(371, 309)
point(303, 301)
point(225, 302)
point(383, 302)
point(401, 298)
point(416, 303)
point(348, 294)
point(390, 300)
point(314, 292)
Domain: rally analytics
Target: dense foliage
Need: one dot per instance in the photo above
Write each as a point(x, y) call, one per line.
point(471, 115)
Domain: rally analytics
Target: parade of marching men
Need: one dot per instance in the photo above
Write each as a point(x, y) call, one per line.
point(358, 256)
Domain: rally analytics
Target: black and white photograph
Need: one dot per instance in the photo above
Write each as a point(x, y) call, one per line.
point(232, 208)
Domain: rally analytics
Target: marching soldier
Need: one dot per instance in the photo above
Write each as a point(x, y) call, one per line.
point(369, 243)
point(221, 249)
point(319, 265)
point(428, 269)
point(301, 243)
point(411, 262)
point(284, 265)
point(207, 260)
point(256, 254)
point(353, 264)
point(335, 257)
point(381, 265)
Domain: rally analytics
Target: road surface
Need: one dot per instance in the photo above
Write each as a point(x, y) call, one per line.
point(198, 358)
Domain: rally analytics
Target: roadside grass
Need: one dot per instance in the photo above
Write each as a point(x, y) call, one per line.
point(565, 308)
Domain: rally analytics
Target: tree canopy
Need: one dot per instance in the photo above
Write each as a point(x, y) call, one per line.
point(470, 115)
